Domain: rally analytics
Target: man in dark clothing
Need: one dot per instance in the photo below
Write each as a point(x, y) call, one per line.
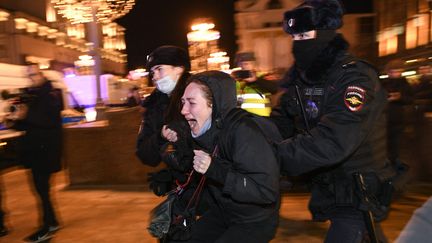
point(423, 90)
point(40, 148)
point(399, 95)
point(333, 113)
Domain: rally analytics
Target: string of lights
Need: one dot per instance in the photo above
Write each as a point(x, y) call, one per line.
point(81, 11)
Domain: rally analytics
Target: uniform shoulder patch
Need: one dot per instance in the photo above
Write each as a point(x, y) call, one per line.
point(354, 98)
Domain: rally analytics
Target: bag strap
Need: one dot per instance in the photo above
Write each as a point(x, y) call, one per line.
point(197, 193)
point(180, 186)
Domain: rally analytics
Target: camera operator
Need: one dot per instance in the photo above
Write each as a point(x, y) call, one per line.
point(254, 89)
point(40, 148)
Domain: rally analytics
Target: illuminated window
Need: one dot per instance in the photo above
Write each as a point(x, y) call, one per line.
point(411, 34)
point(387, 43)
point(423, 27)
point(424, 30)
point(392, 45)
point(430, 30)
point(417, 31)
point(382, 47)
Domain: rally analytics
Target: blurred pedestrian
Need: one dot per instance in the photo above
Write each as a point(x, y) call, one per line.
point(40, 147)
point(164, 134)
point(243, 184)
point(134, 98)
point(334, 106)
point(254, 89)
point(400, 95)
point(423, 89)
point(3, 230)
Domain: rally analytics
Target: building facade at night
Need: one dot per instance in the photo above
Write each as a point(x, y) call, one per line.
point(259, 30)
point(31, 31)
point(203, 47)
point(404, 33)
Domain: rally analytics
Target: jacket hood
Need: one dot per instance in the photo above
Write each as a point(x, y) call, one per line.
point(223, 89)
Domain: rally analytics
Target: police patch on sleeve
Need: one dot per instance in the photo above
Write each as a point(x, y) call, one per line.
point(354, 98)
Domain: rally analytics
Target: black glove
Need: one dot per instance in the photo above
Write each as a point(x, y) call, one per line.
point(171, 159)
point(161, 182)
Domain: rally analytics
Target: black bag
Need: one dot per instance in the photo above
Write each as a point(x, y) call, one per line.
point(161, 217)
point(171, 218)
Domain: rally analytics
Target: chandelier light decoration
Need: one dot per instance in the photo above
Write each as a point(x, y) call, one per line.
point(81, 11)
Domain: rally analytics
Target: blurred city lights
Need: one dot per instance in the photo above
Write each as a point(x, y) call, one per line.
point(81, 11)
point(202, 26)
point(4, 16)
point(408, 73)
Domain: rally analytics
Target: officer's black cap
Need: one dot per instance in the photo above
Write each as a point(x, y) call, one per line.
point(314, 15)
point(244, 57)
point(168, 55)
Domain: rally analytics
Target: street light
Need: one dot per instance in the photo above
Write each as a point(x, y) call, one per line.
point(93, 12)
point(202, 41)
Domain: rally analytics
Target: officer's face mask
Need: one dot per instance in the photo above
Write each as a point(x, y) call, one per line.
point(306, 51)
point(166, 84)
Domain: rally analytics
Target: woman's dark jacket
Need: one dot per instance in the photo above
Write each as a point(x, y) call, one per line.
point(343, 103)
point(41, 147)
point(243, 177)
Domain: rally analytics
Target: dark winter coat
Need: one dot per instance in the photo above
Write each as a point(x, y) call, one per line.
point(149, 139)
point(41, 147)
point(161, 109)
point(243, 177)
point(341, 128)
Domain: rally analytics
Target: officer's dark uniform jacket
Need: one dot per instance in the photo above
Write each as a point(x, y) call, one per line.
point(243, 177)
point(342, 130)
point(150, 143)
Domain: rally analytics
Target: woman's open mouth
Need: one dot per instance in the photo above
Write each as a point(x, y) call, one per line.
point(192, 123)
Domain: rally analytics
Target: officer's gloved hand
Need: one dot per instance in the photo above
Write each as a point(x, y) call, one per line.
point(180, 176)
point(161, 182)
point(171, 158)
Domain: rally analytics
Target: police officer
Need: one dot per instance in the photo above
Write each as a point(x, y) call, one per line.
point(164, 131)
point(254, 89)
point(332, 111)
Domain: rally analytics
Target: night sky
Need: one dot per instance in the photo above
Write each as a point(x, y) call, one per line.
point(152, 23)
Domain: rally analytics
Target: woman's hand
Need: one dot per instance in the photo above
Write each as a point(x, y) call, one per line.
point(169, 134)
point(201, 161)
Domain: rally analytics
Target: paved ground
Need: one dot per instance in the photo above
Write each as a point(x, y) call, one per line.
point(120, 214)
